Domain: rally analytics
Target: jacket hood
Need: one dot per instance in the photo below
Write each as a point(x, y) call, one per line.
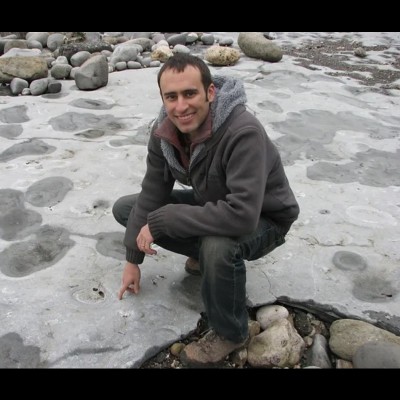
point(229, 93)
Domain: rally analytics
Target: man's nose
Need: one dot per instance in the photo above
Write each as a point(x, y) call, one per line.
point(181, 104)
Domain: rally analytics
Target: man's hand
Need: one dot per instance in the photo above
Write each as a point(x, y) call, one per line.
point(144, 241)
point(130, 279)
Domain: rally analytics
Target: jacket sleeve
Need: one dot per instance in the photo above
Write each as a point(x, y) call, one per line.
point(246, 166)
point(156, 189)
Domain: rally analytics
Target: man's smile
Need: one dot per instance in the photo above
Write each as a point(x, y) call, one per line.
point(185, 118)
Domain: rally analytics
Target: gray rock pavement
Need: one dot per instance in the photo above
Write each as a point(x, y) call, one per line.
point(65, 158)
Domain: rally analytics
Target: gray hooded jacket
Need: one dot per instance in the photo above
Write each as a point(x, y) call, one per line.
point(236, 175)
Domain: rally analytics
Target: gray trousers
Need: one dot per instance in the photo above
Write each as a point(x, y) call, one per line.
point(222, 266)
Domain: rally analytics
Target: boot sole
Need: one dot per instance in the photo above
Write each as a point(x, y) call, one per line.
point(195, 272)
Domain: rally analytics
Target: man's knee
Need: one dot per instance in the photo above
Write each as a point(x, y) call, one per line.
point(122, 208)
point(116, 212)
point(217, 247)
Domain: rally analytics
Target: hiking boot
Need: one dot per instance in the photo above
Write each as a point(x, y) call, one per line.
point(192, 266)
point(209, 351)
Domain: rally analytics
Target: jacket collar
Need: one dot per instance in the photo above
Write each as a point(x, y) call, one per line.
point(168, 131)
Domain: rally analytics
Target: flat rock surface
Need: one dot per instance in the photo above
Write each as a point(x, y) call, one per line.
point(65, 158)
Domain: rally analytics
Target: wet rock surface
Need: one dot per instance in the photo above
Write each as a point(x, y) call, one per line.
point(65, 157)
point(313, 56)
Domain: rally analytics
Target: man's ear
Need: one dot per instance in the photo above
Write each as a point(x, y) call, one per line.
point(211, 93)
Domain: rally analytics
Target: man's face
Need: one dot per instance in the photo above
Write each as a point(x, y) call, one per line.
point(185, 99)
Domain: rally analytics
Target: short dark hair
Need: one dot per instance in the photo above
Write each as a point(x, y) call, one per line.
point(180, 61)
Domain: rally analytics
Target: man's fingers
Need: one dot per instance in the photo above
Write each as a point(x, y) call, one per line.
point(136, 288)
point(123, 289)
point(121, 292)
point(144, 246)
point(132, 289)
point(150, 252)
